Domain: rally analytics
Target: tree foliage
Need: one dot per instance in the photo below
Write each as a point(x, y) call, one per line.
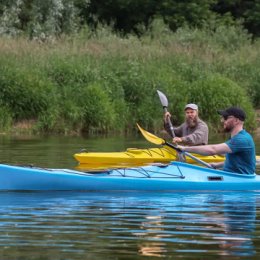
point(43, 19)
point(247, 10)
point(190, 12)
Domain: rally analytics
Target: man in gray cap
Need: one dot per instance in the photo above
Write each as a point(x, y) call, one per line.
point(193, 131)
point(239, 149)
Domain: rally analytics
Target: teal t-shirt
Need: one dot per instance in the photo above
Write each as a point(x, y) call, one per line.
point(242, 159)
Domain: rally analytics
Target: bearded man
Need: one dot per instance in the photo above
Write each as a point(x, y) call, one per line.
point(239, 149)
point(193, 131)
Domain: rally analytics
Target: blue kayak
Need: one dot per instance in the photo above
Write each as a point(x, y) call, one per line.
point(176, 176)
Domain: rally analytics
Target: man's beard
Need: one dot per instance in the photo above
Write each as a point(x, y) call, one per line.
point(192, 122)
point(227, 129)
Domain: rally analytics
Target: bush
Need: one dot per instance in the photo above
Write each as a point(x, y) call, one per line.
point(23, 92)
point(98, 113)
point(248, 75)
point(5, 118)
point(217, 92)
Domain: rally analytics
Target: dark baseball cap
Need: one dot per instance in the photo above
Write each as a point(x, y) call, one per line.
point(233, 111)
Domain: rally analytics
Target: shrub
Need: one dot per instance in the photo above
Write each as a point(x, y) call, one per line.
point(5, 118)
point(98, 113)
point(217, 92)
point(23, 92)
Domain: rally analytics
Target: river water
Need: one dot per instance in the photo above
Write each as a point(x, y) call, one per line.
point(117, 225)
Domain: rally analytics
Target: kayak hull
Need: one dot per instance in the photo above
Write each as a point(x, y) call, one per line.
point(176, 176)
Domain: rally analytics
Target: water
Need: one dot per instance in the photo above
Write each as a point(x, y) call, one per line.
point(57, 151)
point(116, 225)
point(88, 225)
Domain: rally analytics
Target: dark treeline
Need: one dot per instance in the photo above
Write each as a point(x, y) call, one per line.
point(40, 19)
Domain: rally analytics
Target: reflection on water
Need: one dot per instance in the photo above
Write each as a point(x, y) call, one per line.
point(69, 225)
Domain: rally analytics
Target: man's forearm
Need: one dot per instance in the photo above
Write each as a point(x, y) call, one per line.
point(210, 149)
point(201, 149)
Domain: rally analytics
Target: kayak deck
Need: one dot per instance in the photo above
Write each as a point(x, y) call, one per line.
point(137, 157)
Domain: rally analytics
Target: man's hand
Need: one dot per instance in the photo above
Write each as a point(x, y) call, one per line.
point(176, 140)
point(166, 116)
point(217, 165)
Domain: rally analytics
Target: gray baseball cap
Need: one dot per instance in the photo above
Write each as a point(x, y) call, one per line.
point(191, 106)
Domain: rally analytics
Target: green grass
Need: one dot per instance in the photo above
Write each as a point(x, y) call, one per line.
point(107, 83)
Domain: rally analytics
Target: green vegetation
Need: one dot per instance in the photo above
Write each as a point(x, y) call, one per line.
point(107, 83)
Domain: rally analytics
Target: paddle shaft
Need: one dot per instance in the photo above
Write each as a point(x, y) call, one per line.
point(159, 141)
point(169, 123)
point(188, 154)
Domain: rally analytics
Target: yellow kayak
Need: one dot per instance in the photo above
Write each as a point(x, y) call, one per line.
point(136, 157)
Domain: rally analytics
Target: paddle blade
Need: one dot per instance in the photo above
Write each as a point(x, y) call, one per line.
point(157, 140)
point(163, 98)
point(150, 137)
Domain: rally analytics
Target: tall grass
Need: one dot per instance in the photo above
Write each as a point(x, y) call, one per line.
point(105, 83)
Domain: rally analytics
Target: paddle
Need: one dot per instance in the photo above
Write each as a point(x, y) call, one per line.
point(159, 141)
point(164, 102)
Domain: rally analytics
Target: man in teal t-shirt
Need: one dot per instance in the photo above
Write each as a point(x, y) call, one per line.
point(239, 149)
point(242, 158)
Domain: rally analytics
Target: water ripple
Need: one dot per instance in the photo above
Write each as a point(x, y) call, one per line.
point(129, 225)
